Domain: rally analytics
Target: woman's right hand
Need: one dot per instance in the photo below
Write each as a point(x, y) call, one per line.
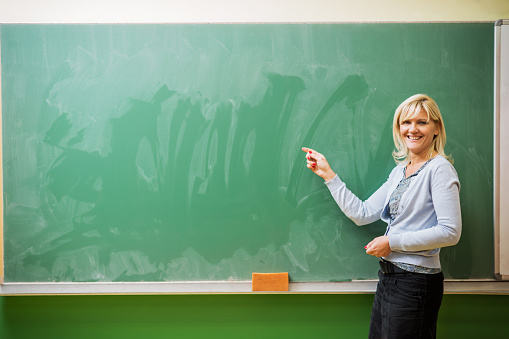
point(318, 164)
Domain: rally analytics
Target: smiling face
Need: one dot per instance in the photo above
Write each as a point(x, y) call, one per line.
point(417, 133)
point(418, 130)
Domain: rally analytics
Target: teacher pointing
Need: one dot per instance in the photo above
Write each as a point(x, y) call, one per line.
point(420, 204)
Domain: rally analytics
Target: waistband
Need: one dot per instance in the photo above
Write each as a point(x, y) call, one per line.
point(388, 268)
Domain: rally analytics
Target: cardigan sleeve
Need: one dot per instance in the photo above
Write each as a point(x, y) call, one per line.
point(360, 212)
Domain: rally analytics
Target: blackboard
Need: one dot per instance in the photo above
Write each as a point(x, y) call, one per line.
point(172, 152)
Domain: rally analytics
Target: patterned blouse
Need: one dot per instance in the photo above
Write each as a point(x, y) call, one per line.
point(400, 190)
point(393, 209)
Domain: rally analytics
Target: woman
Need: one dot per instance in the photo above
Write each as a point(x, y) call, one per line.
point(420, 204)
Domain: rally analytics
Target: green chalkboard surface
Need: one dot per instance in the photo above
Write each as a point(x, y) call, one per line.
point(172, 152)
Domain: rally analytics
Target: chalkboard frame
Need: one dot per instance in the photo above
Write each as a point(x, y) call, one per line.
point(191, 287)
point(492, 287)
point(501, 140)
point(1, 186)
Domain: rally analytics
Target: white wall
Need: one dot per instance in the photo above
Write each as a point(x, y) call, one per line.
point(178, 11)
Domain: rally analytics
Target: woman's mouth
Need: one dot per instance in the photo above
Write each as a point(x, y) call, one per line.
point(413, 137)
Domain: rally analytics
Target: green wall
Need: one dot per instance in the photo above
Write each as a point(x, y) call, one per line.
point(230, 316)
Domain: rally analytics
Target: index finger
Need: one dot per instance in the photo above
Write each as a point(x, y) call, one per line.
point(307, 150)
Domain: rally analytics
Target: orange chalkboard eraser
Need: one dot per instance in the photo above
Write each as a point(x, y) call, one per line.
point(270, 282)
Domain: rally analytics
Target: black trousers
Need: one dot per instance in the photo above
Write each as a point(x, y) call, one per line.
point(406, 305)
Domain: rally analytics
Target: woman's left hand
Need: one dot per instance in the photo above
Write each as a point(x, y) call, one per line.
point(379, 247)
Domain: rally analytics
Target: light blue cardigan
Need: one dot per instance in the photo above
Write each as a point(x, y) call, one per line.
point(429, 215)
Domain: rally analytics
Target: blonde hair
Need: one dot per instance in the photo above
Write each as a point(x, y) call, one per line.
point(409, 109)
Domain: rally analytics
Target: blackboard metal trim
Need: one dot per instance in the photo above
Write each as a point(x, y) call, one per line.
point(141, 23)
point(238, 287)
point(1, 184)
point(496, 148)
point(500, 219)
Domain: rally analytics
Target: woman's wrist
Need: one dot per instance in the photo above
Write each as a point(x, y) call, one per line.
point(329, 176)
